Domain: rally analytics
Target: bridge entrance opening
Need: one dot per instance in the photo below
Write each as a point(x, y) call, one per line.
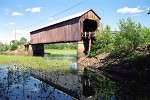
point(89, 25)
point(88, 36)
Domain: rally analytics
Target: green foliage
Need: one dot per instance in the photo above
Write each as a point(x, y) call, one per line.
point(146, 35)
point(13, 44)
point(104, 42)
point(128, 38)
point(23, 41)
point(13, 47)
point(4, 47)
point(131, 40)
point(61, 46)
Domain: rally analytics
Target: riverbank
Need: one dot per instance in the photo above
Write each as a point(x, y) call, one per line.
point(132, 69)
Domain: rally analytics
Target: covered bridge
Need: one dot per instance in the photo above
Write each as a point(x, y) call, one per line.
point(79, 28)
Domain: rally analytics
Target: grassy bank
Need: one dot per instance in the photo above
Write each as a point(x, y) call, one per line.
point(37, 63)
point(56, 51)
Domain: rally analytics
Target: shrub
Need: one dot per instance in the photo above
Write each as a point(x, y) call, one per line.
point(104, 42)
point(128, 38)
point(13, 47)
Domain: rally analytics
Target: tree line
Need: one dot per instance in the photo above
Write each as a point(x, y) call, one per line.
point(61, 46)
point(13, 44)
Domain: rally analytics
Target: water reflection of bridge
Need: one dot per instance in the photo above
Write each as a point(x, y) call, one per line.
point(74, 85)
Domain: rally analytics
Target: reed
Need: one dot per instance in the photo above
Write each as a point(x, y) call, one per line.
point(37, 63)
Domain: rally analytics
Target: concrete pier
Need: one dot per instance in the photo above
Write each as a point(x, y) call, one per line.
point(36, 50)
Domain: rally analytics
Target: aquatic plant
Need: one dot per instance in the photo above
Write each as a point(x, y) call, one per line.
point(37, 63)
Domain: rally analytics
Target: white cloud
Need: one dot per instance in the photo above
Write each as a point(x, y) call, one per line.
point(37, 9)
point(51, 18)
point(11, 23)
point(129, 10)
point(148, 8)
point(17, 14)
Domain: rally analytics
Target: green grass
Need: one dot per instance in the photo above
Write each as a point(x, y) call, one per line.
point(55, 51)
point(37, 63)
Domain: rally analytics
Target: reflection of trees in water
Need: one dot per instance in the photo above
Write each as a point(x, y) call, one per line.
point(97, 87)
point(119, 88)
point(132, 90)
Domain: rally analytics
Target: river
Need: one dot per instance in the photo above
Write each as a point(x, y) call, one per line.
point(19, 82)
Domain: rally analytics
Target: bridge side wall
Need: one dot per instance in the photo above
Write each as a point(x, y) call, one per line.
point(62, 32)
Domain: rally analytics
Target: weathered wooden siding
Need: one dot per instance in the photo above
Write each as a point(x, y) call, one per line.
point(62, 32)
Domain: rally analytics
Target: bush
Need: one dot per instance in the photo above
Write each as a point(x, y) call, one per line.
point(128, 38)
point(14, 47)
point(104, 42)
point(6, 47)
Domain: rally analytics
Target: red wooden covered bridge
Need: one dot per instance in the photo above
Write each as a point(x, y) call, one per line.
point(80, 28)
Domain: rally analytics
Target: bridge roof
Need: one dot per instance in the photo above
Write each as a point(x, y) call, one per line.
point(66, 19)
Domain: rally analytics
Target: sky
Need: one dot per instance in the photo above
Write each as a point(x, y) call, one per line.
point(25, 16)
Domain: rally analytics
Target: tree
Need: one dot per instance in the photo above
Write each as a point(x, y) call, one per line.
point(128, 38)
point(61, 46)
point(104, 42)
point(13, 47)
point(146, 39)
point(15, 42)
point(23, 40)
point(146, 34)
point(4, 47)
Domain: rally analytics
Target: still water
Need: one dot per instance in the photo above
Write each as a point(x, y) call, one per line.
point(18, 82)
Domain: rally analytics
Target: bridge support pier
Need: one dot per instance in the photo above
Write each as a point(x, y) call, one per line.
point(36, 50)
point(84, 47)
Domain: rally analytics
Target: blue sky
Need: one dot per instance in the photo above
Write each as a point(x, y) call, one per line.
point(27, 15)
